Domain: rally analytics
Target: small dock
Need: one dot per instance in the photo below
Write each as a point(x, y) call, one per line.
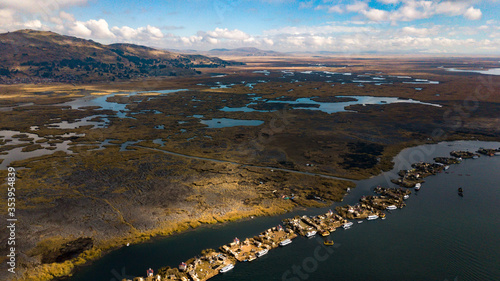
point(273, 236)
point(463, 154)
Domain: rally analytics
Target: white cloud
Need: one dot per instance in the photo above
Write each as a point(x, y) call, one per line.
point(7, 16)
point(153, 31)
point(335, 9)
point(388, 1)
point(33, 24)
point(315, 30)
point(225, 33)
point(37, 6)
point(410, 30)
point(144, 34)
point(376, 14)
point(410, 10)
point(66, 16)
point(99, 29)
point(357, 7)
point(473, 14)
point(79, 29)
point(305, 5)
point(268, 41)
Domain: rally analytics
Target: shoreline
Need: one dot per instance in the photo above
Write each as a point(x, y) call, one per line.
point(185, 226)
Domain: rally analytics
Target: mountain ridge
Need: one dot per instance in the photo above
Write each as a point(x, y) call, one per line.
point(44, 56)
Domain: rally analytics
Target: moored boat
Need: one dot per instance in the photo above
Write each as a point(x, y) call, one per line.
point(347, 225)
point(227, 268)
point(372, 217)
point(391, 207)
point(328, 242)
point(406, 196)
point(285, 242)
point(325, 233)
point(418, 186)
point(311, 233)
point(262, 253)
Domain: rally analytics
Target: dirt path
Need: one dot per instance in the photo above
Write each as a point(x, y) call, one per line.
point(243, 165)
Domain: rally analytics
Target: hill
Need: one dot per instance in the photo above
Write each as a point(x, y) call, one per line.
point(44, 56)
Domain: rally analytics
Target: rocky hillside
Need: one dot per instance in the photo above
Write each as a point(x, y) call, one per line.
point(44, 56)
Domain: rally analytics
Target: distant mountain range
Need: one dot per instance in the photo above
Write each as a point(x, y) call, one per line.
point(44, 56)
point(249, 51)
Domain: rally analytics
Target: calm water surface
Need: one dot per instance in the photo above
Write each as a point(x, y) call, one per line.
point(438, 236)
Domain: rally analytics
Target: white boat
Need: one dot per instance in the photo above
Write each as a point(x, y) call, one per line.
point(475, 157)
point(406, 196)
point(347, 225)
point(285, 242)
point(227, 268)
point(310, 233)
point(391, 207)
point(372, 217)
point(497, 153)
point(446, 167)
point(262, 253)
point(418, 186)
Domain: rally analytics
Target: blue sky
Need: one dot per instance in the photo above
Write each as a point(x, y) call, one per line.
point(398, 26)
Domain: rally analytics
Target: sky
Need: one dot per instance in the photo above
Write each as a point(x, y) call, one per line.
point(360, 26)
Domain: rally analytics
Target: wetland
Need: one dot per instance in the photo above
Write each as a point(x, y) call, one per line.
point(140, 159)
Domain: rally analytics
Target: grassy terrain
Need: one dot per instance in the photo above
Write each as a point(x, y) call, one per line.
point(118, 197)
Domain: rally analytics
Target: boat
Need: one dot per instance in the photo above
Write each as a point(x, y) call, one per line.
point(285, 242)
point(325, 233)
point(475, 157)
point(460, 190)
point(360, 221)
point(446, 167)
point(418, 186)
point(328, 242)
point(406, 196)
point(262, 253)
point(372, 217)
point(311, 233)
point(391, 207)
point(497, 153)
point(347, 225)
point(227, 268)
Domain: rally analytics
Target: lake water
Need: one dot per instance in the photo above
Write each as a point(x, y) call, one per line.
point(17, 154)
point(437, 236)
point(328, 107)
point(492, 71)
